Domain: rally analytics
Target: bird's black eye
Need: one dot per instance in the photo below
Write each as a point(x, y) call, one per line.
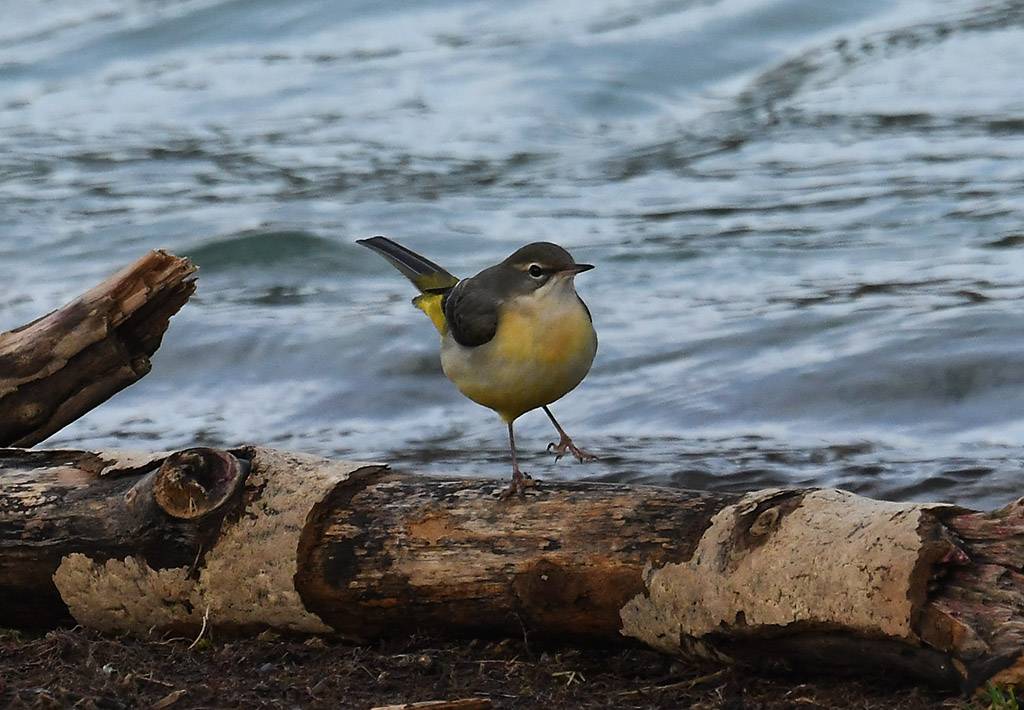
point(536, 271)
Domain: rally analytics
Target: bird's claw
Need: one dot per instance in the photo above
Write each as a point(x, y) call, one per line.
point(520, 482)
point(564, 446)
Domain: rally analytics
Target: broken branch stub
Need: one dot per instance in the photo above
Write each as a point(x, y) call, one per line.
point(60, 366)
point(193, 482)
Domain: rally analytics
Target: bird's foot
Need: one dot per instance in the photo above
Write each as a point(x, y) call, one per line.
point(520, 482)
point(564, 446)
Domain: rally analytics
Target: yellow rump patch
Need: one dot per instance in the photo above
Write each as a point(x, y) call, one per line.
point(430, 303)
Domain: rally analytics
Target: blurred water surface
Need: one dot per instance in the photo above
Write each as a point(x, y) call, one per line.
point(806, 217)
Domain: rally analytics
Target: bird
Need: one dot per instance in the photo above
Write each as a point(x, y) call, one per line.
point(514, 338)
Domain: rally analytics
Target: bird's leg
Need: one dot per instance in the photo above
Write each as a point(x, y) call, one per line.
point(565, 443)
point(520, 480)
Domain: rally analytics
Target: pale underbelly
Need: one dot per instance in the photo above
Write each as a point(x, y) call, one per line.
point(531, 361)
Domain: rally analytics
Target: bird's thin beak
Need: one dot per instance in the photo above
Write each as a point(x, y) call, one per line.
point(580, 268)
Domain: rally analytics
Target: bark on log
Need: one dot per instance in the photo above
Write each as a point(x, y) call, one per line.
point(254, 539)
point(60, 366)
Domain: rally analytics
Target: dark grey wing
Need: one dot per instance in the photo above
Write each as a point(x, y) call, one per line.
point(471, 310)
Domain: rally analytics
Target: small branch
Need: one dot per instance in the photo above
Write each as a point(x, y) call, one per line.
point(465, 704)
point(206, 620)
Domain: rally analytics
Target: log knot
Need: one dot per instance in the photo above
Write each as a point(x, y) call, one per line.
point(193, 482)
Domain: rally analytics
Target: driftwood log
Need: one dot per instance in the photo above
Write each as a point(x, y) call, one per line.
point(207, 541)
point(60, 366)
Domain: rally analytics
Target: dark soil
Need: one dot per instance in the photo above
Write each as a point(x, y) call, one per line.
point(77, 668)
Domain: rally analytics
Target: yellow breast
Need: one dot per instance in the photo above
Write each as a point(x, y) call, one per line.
point(544, 347)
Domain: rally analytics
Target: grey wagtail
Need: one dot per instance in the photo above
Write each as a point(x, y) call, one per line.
point(514, 337)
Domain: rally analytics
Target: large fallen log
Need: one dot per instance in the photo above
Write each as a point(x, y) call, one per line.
point(204, 541)
point(60, 366)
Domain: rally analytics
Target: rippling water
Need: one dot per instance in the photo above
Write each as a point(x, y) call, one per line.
point(807, 219)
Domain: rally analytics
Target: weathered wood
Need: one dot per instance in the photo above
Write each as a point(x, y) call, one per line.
point(60, 366)
point(447, 556)
point(977, 595)
point(253, 539)
point(58, 503)
point(99, 539)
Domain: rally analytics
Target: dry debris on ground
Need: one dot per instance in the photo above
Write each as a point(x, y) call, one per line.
point(77, 668)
